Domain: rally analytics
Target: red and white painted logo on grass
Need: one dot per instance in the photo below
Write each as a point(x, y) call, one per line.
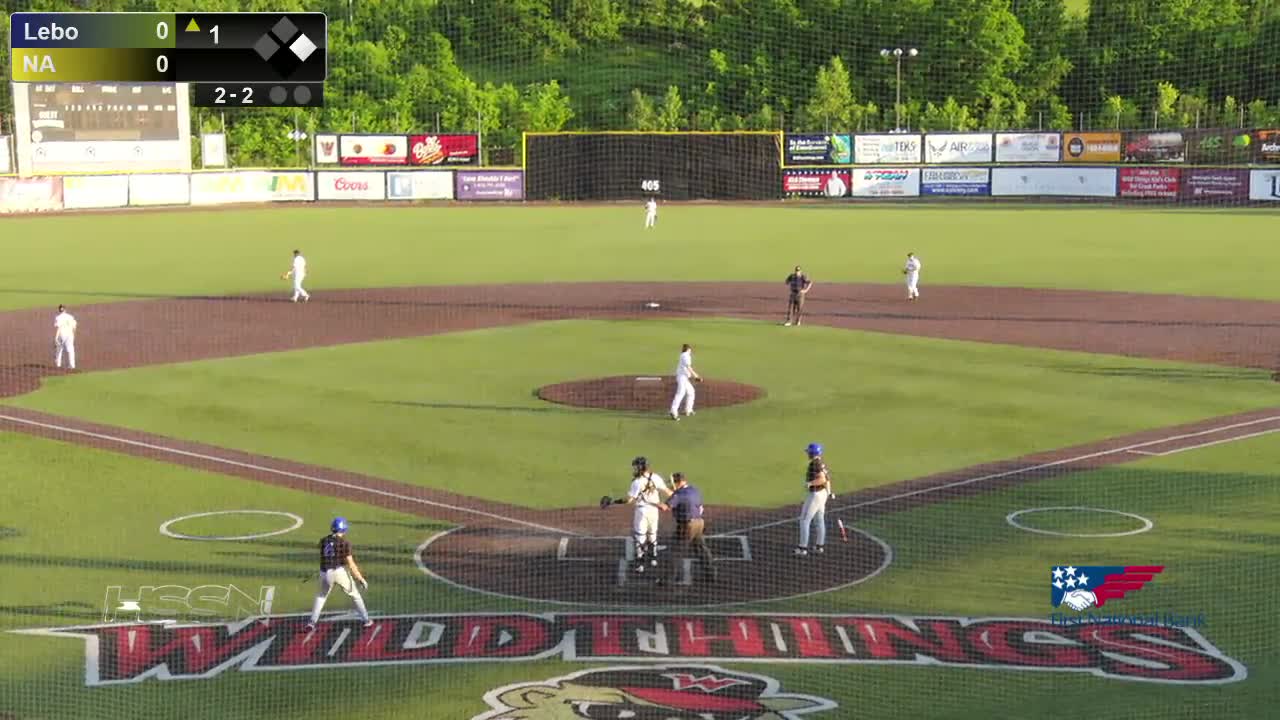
point(135, 652)
point(643, 691)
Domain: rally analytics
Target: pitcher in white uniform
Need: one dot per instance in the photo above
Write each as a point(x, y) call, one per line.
point(685, 375)
point(651, 213)
point(912, 271)
point(298, 272)
point(647, 492)
point(817, 483)
point(64, 338)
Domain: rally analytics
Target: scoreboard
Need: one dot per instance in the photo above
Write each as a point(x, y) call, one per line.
point(234, 59)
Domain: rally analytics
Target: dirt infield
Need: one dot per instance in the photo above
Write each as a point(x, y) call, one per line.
point(644, 393)
point(571, 555)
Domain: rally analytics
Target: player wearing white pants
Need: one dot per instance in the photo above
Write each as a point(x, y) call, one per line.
point(817, 484)
point(685, 375)
point(647, 492)
point(298, 271)
point(650, 213)
point(912, 271)
point(338, 567)
point(64, 338)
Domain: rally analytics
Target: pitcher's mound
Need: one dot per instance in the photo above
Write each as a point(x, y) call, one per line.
point(645, 393)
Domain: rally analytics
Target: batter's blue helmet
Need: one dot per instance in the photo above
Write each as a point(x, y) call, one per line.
point(338, 525)
point(814, 449)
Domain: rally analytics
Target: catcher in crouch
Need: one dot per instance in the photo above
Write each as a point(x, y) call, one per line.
point(647, 493)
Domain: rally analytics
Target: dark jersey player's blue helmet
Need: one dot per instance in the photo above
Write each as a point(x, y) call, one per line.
point(814, 449)
point(339, 525)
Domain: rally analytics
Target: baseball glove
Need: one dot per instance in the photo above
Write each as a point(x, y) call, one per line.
point(284, 276)
point(605, 501)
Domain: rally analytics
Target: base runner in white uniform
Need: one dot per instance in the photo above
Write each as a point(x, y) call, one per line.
point(298, 271)
point(912, 271)
point(685, 375)
point(817, 483)
point(64, 337)
point(647, 492)
point(651, 213)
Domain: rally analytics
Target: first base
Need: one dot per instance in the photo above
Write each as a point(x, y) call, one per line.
point(652, 305)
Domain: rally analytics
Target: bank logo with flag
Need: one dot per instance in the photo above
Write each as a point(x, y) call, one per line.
point(1086, 586)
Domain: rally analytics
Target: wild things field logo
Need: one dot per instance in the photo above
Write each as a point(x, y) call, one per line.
point(130, 653)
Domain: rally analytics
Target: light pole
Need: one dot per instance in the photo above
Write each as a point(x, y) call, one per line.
point(897, 54)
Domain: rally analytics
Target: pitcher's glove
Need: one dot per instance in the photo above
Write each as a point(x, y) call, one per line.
point(284, 276)
point(605, 501)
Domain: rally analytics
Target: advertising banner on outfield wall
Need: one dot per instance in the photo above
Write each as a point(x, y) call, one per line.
point(163, 189)
point(815, 183)
point(326, 149)
point(1096, 147)
point(1028, 147)
point(95, 191)
point(424, 185)
point(1057, 182)
point(5, 166)
point(1155, 147)
point(1215, 184)
point(887, 149)
point(492, 184)
point(957, 148)
point(817, 150)
point(1264, 185)
point(1266, 146)
point(444, 150)
point(1219, 147)
point(30, 195)
point(251, 186)
point(351, 186)
point(373, 150)
point(955, 181)
point(885, 182)
point(1148, 182)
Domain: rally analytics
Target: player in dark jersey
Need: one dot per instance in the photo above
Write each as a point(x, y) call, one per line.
point(798, 284)
point(338, 567)
point(813, 514)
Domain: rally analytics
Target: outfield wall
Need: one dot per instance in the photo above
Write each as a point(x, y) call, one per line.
point(46, 194)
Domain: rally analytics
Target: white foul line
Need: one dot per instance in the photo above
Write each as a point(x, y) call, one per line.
point(285, 473)
point(1211, 443)
point(1042, 466)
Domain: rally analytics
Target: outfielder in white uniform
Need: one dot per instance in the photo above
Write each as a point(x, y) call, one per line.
point(651, 213)
point(64, 337)
point(685, 375)
point(912, 271)
point(647, 492)
point(298, 271)
point(338, 567)
point(817, 483)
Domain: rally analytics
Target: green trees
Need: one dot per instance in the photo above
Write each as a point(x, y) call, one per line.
point(501, 67)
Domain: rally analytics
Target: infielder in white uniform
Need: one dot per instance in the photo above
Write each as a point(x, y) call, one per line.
point(817, 483)
point(647, 492)
point(685, 375)
point(64, 337)
point(912, 271)
point(299, 273)
point(651, 213)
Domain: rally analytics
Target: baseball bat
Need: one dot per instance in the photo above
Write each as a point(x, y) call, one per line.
point(844, 534)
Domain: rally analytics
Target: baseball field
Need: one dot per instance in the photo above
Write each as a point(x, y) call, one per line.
point(1076, 389)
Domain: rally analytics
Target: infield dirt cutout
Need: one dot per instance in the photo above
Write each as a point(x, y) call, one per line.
point(572, 554)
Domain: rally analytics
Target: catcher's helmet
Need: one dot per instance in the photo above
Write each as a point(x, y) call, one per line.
point(339, 525)
point(814, 449)
point(640, 463)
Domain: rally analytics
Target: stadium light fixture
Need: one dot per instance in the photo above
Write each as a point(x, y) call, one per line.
point(898, 54)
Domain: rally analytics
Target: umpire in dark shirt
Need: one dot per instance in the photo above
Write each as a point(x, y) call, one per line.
point(685, 505)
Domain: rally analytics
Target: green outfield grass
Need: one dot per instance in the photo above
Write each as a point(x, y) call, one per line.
point(97, 258)
point(455, 412)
